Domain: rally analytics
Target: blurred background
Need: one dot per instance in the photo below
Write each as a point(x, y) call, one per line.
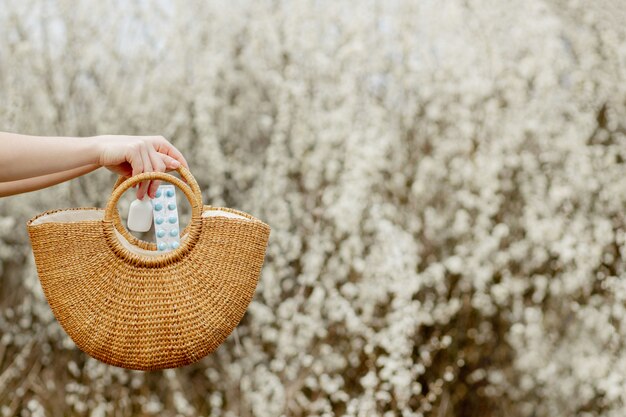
point(444, 181)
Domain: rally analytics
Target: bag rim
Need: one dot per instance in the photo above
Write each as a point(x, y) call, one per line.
point(140, 261)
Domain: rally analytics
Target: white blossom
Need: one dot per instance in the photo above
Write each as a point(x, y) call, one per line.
point(444, 181)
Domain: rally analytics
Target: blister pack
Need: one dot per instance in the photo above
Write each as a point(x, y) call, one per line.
point(165, 215)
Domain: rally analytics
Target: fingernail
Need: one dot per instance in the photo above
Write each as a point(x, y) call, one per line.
point(175, 164)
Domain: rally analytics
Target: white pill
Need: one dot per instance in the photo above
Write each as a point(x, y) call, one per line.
point(140, 215)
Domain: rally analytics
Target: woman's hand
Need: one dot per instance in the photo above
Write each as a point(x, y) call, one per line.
point(132, 155)
point(34, 162)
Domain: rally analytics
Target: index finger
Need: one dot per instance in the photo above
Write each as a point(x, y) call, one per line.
point(169, 149)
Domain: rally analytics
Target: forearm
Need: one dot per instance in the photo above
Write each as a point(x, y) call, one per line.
point(36, 183)
point(24, 156)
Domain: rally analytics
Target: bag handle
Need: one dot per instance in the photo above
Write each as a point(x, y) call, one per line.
point(192, 192)
point(117, 221)
point(185, 175)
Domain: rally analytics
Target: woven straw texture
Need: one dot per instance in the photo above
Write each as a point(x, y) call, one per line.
point(138, 308)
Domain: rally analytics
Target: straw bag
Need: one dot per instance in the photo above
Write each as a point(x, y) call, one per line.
point(126, 304)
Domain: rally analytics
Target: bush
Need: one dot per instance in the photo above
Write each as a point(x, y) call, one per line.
point(444, 182)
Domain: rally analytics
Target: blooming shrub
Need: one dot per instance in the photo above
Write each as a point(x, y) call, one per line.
point(444, 181)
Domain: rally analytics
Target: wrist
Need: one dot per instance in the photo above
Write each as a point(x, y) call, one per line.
point(94, 148)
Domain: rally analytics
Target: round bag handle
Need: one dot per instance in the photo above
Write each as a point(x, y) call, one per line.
point(185, 175)
point(117, 221)
point(195, 225)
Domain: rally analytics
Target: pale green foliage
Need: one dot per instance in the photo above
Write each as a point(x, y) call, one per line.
point(444, 181)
